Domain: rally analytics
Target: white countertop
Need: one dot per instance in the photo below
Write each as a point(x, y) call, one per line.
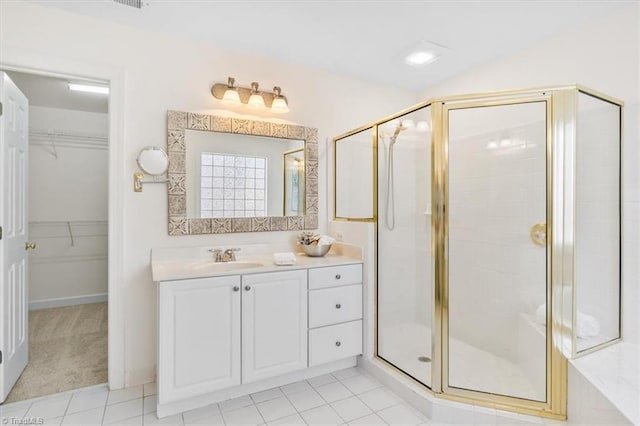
point(180, 264)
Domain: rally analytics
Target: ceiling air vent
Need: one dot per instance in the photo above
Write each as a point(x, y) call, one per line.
point(132, 3)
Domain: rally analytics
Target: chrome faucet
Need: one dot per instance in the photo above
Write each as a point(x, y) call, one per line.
point(229, 255)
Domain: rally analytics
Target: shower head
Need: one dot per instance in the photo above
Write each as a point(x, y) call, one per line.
point(403, 125)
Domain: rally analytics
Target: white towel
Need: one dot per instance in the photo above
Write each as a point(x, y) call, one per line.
point(587, 325)
point(325, 240)
point(284, 259)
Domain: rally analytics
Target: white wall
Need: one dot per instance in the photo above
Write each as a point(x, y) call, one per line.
point(604, 56)
point(68, 173)
point(164, 72)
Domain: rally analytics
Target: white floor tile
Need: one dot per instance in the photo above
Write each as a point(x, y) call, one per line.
point(210, 413)
point(266, 395)
point(321, 380)
point(400, 414)
point(306, 400)
point(150, 389)
point(371, 419)
point(243, 416)
point(360, 384)
point(175, 420)
point(294, 420)
point(149, 404)
point(91, 417)
point(295, 387)
point(334, 392)
point(133, 421)
point(84, 400)
point(50, 408)
point(346, 373)
point(122, 411)
point(324, 415)
point(121, 395)
point(351, 408)
point(52, 422)
point(235, 403)
point(379, 399)
point(15, 410)
point(276, 409)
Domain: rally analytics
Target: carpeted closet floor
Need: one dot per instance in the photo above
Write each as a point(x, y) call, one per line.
point(67, 350)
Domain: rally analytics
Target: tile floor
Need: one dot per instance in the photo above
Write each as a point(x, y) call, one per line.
point(344, 397)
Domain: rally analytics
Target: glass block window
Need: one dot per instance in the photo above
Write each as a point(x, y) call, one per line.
point(232, 185)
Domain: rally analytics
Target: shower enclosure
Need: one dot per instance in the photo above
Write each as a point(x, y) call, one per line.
point(497, 239)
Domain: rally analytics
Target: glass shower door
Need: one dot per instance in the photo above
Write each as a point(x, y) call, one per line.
point(495, 312)
point(405, 276)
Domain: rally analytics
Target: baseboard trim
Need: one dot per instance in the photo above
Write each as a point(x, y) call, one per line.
point(68, 301)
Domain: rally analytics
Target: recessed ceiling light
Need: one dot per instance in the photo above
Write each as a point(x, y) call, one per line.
point(89, 88)
point(423, 53)
point(420, 58)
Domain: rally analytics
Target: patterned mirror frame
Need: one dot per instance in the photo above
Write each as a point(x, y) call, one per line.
point(180, 224)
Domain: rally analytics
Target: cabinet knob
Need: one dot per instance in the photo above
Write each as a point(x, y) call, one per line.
point(247, 287)
point(236, 288)
point(338, 343)
point(338, 306)
point(338, 276)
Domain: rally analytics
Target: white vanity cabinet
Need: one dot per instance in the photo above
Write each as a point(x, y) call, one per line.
point(231, 335)
point(199, 336)
point(274, 324)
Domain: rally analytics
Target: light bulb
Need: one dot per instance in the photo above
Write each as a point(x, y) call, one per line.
point(231, 96)
point(256, 100)
point(279, 104)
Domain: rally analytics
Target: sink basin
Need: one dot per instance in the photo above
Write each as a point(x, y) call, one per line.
point(225, 266)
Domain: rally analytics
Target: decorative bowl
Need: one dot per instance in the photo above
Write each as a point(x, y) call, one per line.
point(314, 250)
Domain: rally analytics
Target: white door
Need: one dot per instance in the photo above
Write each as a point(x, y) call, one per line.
point(13, 220)
point(274, 324)
point(199, 337)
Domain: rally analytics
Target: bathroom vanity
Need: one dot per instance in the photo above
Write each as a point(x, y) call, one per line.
point(227, 329)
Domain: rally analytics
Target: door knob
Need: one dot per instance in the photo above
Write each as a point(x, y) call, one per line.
point(538, 234)
point(29, 246)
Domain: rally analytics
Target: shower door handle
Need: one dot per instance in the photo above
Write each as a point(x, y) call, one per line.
point(538, 234)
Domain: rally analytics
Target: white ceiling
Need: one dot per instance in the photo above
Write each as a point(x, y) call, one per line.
point(365, 39)
point(54, 93)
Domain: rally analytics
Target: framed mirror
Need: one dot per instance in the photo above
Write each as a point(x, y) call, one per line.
point(236, 175)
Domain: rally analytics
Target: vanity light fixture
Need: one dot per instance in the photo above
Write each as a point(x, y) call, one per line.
point(231, 94)
point(88, 88)
point(256, 100)
point(279, 104)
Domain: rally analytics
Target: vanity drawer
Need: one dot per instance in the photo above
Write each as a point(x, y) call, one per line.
point(334, 305)
point(334, 276)
point(335, 342)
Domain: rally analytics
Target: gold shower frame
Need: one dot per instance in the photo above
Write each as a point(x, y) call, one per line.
point(561, 125)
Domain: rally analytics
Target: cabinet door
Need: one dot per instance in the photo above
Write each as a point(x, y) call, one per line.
point(199, 336)
point(274, 324)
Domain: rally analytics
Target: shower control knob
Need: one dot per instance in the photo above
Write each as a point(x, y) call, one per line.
point(338, 343)
point(236, 288)
point(338, 276)
point(338, 306)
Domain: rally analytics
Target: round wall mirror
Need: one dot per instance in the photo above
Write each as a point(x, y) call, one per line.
point(153, 160)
